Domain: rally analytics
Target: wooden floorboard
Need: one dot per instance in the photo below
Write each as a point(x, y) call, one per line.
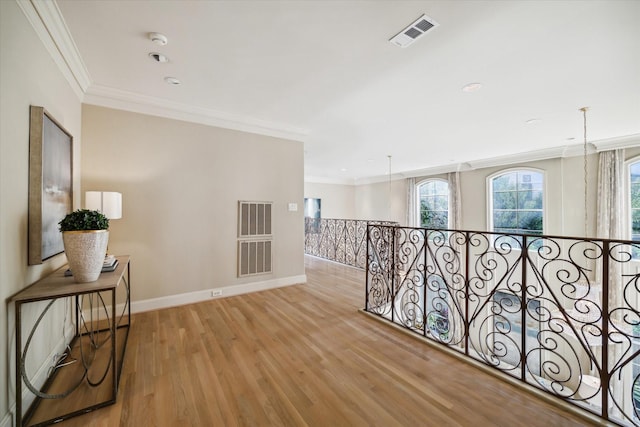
point(303, 356)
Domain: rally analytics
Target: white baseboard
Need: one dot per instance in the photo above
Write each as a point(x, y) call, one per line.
point(7, 420)
point(208, 294)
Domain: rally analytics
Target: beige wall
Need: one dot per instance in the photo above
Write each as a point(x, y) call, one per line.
point(337, 201)
point(382, 201)
point(564, 195)
point(633, 153)
point(180, 184)
point(28, 76)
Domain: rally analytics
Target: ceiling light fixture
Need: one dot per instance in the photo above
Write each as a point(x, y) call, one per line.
point(585, 161)
point(471, 87)
point(158, 57)
point(158, 38)
point(389, 206)
point(533, 121)
point(172, 81)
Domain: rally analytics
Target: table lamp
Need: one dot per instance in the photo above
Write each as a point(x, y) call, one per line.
point(107, 202)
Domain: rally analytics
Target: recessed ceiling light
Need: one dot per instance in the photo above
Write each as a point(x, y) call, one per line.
point(570, 138)
point(172, 81)
point(158, 57)
point(533, 121)
point(471, 87)
point(158, 38)
point(343, 170)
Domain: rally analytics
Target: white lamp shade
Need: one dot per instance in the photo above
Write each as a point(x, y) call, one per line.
point(107, 202)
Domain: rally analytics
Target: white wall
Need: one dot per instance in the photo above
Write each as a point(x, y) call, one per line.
point(180, 184)
point(337, 201)
point(28, 76)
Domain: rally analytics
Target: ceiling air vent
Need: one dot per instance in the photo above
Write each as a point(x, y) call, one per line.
point(414, 31)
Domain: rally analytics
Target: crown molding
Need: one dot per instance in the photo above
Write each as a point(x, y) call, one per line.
point(328, 180)
point(45, 17)
point(565, 151)
point(511, 159)
point(578, 150)
point(134, 102)
point(618, 142)
point(435, 170)
point(380, 178)
point(47, 21)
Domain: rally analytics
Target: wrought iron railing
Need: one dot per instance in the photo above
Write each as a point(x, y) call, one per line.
point(560, 314)
point(340, 240)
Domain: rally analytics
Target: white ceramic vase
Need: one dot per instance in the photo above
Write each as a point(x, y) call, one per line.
point(85, 252)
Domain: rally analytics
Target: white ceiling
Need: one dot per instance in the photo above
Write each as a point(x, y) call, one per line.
point(324, 72)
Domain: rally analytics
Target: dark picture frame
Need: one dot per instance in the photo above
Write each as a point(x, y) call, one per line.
point(50, 184)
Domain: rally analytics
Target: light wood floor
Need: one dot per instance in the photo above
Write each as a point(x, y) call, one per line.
point(302, 356)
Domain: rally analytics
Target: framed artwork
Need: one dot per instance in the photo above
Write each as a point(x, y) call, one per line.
point(50, 184)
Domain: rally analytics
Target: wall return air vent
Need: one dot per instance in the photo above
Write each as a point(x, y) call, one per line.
point(414, 31)
point(255, 238)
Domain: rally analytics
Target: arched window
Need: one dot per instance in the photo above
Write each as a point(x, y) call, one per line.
point(634, 199)
point(433, 203)
point(634, 207)
point(516, 202)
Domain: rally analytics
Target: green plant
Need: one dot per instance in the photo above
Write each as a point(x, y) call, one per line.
point(84, 219)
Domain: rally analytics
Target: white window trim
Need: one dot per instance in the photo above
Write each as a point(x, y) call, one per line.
point(489, 194)
point(417, 197)
point(628, 228)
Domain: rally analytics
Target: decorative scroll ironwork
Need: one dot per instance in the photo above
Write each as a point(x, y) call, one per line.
point(561, 314)
point(340, 240)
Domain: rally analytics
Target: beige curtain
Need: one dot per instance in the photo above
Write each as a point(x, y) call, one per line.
point(611, 195)
point(455, 222)
point(611, 219)
point(612, 224)
point(412, 203)
point(455, 201)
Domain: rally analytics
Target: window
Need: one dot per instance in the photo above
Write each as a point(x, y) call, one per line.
point(437, 310)
point(516, 200)
point(507, 330)
point(636, 372)
point(634, 190)
point(634, 204)
point(433, 202)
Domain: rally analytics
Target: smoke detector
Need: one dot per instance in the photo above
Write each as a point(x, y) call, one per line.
point(158, 38)
point(158, 57)
point(414, 31)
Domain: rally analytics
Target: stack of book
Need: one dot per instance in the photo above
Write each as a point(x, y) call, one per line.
point(110, 263)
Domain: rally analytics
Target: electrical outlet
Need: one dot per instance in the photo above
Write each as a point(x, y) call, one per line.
point(216, 293)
